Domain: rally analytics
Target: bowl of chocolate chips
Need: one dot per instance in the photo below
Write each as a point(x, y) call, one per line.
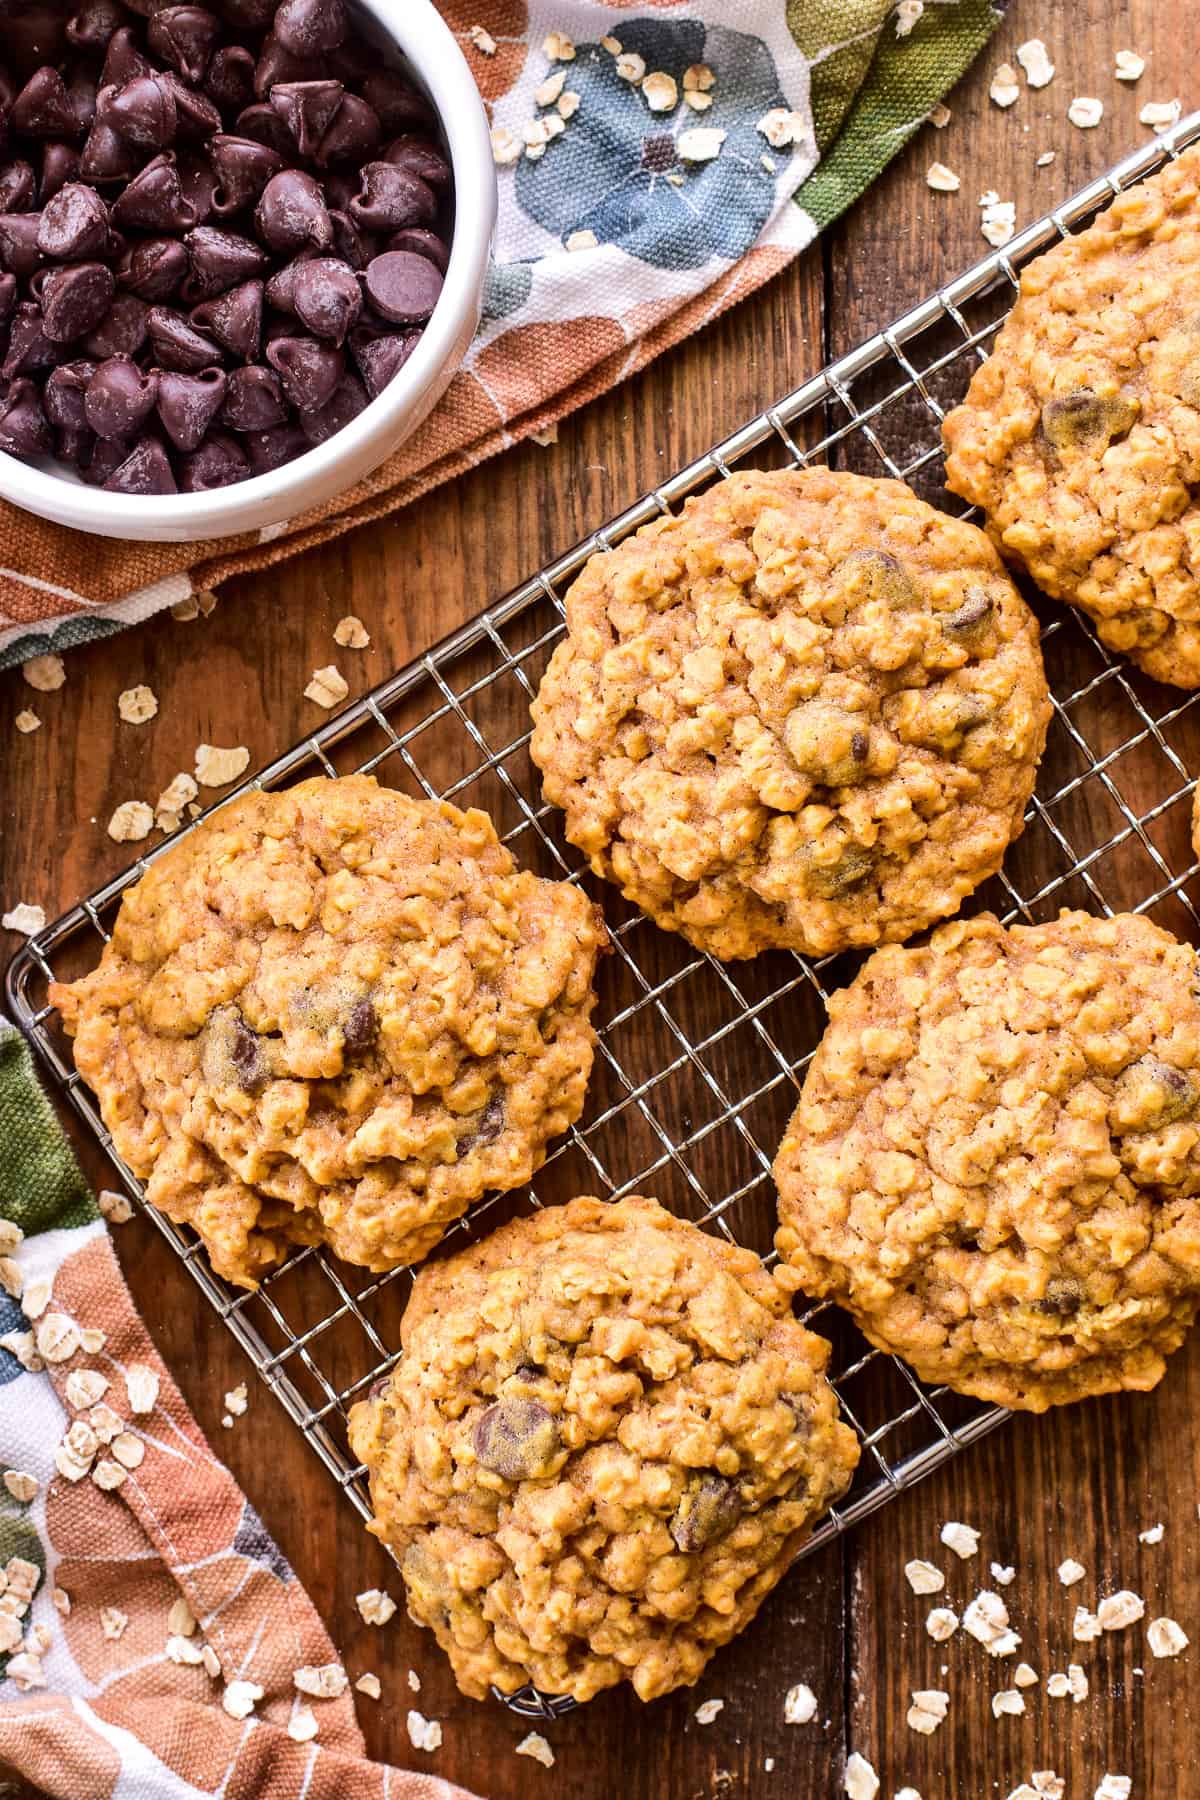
point(242, 253)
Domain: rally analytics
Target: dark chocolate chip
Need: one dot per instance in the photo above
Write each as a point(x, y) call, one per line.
point(242, 169)
point(396, 103)
point(73, 446)
point(248, 15)
point(422, 157)
point(391, 198)
point(63, 395)
point(707, 1510)
point(220, 260)
point(291, 213)
point(123, 332)
point(8, 297)
point(352, 135)
point(184, 37)
point(281, 289)
point(142, 112)
point(422, 242)
point(361, 1028)
point(348, 399)
point(403, 287)
point(74, 224)
point(199, 184)
point(196, 115)
point(230, 79)
point(176, 342)
point(106, 454)
point(17, 187)
point(123, 61)
point(264, 125)
point(74, 299)
point(24, 430)
point(19, 252)
point(188, 404)
point(154, 200)
point(326, 297)
point(106, 158)
point(254, 400)
point(93, 24)
point(275, 64)
point(234, 319)
point(307, 108)
point(43, 107)
point(308, 371)
point(351, 244)
point(486, 1129)
point(271, 449)
point(145, 470)
point(120, 398)
point(81, 91)
point(60, 164)
point(219, 461)
point(1062, 1299)
point(307, 27)
point(517, 1439)
point(28, 346)
point(379, 358)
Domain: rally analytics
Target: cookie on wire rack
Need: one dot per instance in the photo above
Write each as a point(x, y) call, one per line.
point(1080, 435)
point(336, 1015)
point(806, 714)
point(604, 1442)
point(995, 1162)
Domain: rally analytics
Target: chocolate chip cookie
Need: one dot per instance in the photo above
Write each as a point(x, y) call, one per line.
point(336, 1015)
point(1080, 435)
point(806, 714)
point(995, 1162)
point(603, 1444)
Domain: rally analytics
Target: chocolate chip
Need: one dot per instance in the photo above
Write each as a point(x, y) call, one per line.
point(123, 332)
point(142, 112)
point(969, 622)
point(392, 197)
point(199, 184)
point(154, 267)
point(188, 404)
point(60, 164)
point(63, 395)
point(219, 461)
point(254, 400)
point(17, 187)
point(74, 224)
point(348, 399)
point(242, 169)
point(271, 449)
point(420, 156)
point(43, 107)
point(176, 342)
point(249, 15)
point(708, 1509)
point(307, 109)
point(403, 287)
point(220, 260)
point(19, 252)
point(234, 319)
point(123, 61)
point(196, 116)
point(24, 430)
point(309, 371)
point(1062, 1299)
point(396, 102)
point(291, 213)
point(517, 1439)
point(276, 65)
point(380, 358)
point(184, 37)
point(8, 297)
point(104, 458)
point(81, 91)
point(487, 1127)
point(264, 125)
point(422, 242)
point(307, 27)
point(230, 79)
point(326, 298)
point(106, 158)
point(353, 134)
point(93, 24)
point(361, 1028)
point(351, 244)
point(145, 470)
point(120, 398)
point(28, 346)
point(74, 299)
point(154, 200)
point(280, 291)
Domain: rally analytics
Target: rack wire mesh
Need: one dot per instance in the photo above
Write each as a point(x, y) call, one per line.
point(699, 1063)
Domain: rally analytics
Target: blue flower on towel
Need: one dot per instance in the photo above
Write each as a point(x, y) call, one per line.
point(616, 169)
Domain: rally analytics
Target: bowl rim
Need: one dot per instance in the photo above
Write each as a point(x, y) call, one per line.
point(422, 36)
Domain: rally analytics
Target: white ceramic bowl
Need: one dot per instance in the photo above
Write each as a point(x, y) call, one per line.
point(414, 30)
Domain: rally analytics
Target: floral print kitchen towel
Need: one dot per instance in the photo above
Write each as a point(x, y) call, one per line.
point(658, 160)
point(150, 1630)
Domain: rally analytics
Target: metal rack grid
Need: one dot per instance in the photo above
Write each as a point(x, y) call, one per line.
point(698, 1063)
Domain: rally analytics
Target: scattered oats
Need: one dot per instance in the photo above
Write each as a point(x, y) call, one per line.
point(227, 1421)
point(860, 1781)
point(181, 1621)
point(1007, 1701)
point(907, 1793)
point(534, 152)
point(1003, 1575)
point(375, 1607)
point(483, 40)
point(62, 1601)
point(799, 1705)
point(1032, 56)
point(568, 104)
point(85, 1387)
point(1085, 1626)
point(21, 1485)
point(1070, 1572)
point(113, 1621)
point(1116, 1611)
point(351, 633)
point(986, 1620)
point(26, 720)
point(1161, 114)
point(26, 1671)
point(414, 1681)
point(26, 918)
point(962, 1539)
point(328, 686)
point(325, 1682)
point(116, 1208)
point(1112, 1787)
point(506, 146)
point(141, 1384)
point(137, 704)
point(1153, 1536)
point(303, 1725)
point(237, 1400)
point(698, 78)
point(45, 673)
point(660, 92)
point(535, 133)
point(941, 1624)
point(699, 102)
point(582, 240)
point(1077, 1683)
point(171, 802)
point(21, 1576)
point(1025, 1676)
point(1004, 89)
point(941, 179)
point(923, 1578)
point(35, 1299)
point(612, 45)
point(206, 601)
point(675, 178)
point(369, 1684)
point(57, 1337)
point(108, 1475)
point(216, 767)
point(1130, 66)
point(631, 67)
point(1045, 159)
point(11, 1236)
point(535, 1745)
point(186, 610)
point(908, 12)
point(1164, 1636)
point(1057, 1686)
point(939, 115)
point(132, 821)
point(211, 1661)
point(558, 47)
point(182, 1650)
point(707, 1711)
point(240, 1698)
point(1047, 1785)
point(129, 1450)
point(38, 1639)
point(772, 168)
point(20, 1345)
point(700, 143)
point(928, 1710)
point(1085, 111)
point(998, 218)
point(781, 127)
point(551, 88)
point(423, 1733)
point(11, 1278)
point(105, 1423)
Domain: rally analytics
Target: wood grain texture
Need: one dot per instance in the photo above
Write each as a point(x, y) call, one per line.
point(1080, 1484)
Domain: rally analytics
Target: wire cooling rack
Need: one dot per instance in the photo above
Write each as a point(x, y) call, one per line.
point(698, 1064)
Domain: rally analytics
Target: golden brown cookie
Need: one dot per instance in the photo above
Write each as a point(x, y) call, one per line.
point(806, 714)
point(603, 1444)
point(995, 1162)
point(336, 1015)
point(1080, 435)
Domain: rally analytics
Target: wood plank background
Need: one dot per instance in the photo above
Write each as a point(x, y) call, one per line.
point(1082, 1483)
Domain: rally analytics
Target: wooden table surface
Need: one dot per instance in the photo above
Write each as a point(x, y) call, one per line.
point(1082, 1483)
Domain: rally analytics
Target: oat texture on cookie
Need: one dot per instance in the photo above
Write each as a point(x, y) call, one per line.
point(603, 1443)
point(1080, 435)
point(336, 1015)
point(807, 713)
point(995, 1162)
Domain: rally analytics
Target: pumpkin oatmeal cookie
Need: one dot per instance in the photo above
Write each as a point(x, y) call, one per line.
point(805, 714)
point(1080, 435)
point(995, 1162)
point(604, 1442)
point(336, 1015)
